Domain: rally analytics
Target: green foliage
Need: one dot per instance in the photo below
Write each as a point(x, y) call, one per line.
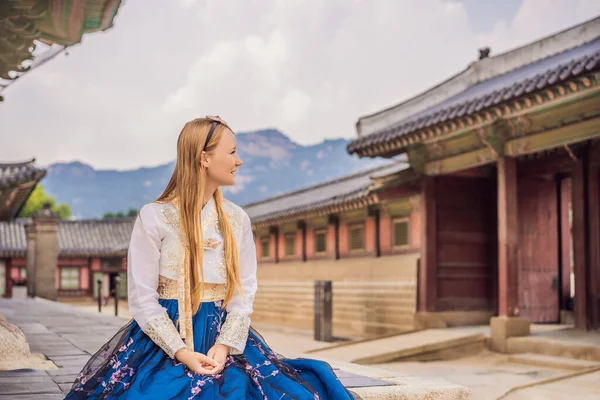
point(120, 214)
point(36, 202)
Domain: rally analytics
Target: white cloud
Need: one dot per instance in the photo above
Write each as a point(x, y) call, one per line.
point(240, 183)
point(538, 18)
point(309, 68)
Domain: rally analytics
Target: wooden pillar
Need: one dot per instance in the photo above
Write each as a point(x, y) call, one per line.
point(302, 227)
point(593, 203)
point(274, 231)
point(90, 291)
point(8, 278)
point(334, 220)
point(508, 273)
point(428, 264)
point(508, 323)
point(564, 196)
point(580, 183)
point(373, 212)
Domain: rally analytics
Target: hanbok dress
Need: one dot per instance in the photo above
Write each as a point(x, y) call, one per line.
point(138, 362)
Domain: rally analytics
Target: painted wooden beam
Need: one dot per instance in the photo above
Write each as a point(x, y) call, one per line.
point(460, 162)
point(573, 133)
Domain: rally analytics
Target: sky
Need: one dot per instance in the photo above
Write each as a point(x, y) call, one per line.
point(309, 68)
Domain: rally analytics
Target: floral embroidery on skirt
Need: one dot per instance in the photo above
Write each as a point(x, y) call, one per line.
point(131, 366)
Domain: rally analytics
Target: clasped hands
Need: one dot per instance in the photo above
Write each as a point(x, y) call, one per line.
point(210, 364)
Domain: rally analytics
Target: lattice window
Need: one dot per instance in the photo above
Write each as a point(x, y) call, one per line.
point(357, 237)
point(69, 278)
point(290, 244)
point(401, 233)
point(265, 247)
point(321, 241)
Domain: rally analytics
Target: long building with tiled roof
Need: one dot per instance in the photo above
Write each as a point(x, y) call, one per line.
point(345, 193)
point(88, 250)
point(77, 238)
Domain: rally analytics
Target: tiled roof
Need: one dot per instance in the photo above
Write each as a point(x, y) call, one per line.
point(13, 241)
point(322, 197)
point(509, 86)
point(84, 238)
point(94, 237)
point(14, 174)
point(17, 180)
point(57, 23)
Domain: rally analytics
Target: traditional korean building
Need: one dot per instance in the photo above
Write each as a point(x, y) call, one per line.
point(31, 33)
point(507, 159)
point(362, 232)
point(17, 181)
point(88, 251)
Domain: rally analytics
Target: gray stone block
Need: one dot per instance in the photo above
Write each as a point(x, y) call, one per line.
point(30, 388)
point(34, 396)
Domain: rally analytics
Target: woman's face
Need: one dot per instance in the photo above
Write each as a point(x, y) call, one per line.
point(223, 161)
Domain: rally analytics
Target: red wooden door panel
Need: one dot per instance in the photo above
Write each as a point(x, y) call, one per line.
point(538, 250)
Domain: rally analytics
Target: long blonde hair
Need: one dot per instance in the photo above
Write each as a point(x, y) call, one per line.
point(186, 187)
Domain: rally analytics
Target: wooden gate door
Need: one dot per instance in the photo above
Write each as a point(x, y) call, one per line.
point(538, 250)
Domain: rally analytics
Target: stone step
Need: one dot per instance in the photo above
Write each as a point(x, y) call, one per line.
point(541, 360)
point(391, 318)
point(362, 301)
point(407, 346)
point(344, 311)
point(399, 298)
point(406, 319)
point(340, 292)
point(553, 347)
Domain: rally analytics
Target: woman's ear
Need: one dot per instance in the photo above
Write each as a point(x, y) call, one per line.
point(204, 159)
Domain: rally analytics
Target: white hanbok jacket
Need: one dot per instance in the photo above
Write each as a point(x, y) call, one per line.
point(155, 271)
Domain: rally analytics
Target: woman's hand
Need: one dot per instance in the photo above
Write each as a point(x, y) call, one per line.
point(198, 362)
point(219, 353)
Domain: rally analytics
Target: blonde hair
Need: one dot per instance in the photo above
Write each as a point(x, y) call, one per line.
point(186, 187)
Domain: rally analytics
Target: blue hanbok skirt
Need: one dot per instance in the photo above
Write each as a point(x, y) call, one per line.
point(132, 366)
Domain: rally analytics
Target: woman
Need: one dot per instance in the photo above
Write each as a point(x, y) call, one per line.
point(190, 336)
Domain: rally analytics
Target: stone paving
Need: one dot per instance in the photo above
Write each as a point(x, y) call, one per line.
point(68, 336)
point(492, 376)
point(64, 335)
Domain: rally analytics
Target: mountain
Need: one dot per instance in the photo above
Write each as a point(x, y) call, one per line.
point(273, 164)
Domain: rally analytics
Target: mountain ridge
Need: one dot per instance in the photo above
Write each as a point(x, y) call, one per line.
point(273, 165)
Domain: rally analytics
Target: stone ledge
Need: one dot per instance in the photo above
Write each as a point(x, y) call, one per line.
point(404, 387)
